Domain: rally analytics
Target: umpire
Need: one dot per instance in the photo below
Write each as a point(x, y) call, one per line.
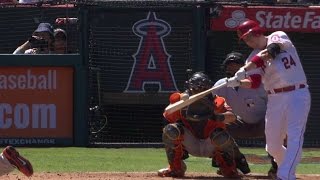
point(249, 105)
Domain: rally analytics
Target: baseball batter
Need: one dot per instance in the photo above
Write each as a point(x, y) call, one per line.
point(199, 129)
point(11, 159)
point(288, 95)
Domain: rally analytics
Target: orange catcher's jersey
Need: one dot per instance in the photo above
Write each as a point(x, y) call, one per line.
point(218, 103)
point(202, 128)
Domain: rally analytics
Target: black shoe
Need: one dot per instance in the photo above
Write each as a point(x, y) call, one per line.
point(185, 155)
point(272, 173)
point(214, 163)
point(243, 165)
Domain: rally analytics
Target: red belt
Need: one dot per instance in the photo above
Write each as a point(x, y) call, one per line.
point(286, 89)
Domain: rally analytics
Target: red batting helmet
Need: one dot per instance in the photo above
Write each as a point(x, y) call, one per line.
point(247, 27)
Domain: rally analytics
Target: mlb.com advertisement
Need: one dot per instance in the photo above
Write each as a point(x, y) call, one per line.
point(291, 19)
point(36, 105)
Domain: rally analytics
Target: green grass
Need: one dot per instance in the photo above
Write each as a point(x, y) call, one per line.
point(72, 159)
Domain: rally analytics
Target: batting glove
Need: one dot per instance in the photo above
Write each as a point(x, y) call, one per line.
point(184, 96)
point(240, 74)
point(233, 82)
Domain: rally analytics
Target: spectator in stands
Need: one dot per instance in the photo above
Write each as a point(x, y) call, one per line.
point(41, 41)
point(296, 1)
point(28, 1)
point(283, 1)
point(60, 41)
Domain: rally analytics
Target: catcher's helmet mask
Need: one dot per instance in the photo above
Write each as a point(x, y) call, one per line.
point(198, 82)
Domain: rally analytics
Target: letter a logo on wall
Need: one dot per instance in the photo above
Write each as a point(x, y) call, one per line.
point(151, 61)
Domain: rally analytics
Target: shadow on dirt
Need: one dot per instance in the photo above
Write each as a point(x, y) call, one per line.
point(250, 176)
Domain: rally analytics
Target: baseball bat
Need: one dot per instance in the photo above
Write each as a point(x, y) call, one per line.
point(183, 103)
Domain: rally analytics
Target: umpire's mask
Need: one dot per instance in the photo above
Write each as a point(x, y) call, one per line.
point(232, 63)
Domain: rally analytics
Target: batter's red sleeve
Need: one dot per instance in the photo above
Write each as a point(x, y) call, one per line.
point(258, 61)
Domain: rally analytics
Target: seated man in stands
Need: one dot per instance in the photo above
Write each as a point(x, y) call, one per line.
point(60, 41)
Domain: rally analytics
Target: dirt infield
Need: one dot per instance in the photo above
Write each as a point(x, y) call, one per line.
point(132, 176)
point(255, 159)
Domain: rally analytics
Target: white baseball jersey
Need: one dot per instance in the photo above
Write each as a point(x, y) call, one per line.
point(286, 69)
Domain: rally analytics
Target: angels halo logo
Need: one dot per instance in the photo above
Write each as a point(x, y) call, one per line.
point(151, 61)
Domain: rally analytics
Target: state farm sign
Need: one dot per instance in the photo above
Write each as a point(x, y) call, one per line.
point(307, 20)
point(289, 19)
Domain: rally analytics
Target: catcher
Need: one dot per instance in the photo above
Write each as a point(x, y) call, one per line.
point(199, 129)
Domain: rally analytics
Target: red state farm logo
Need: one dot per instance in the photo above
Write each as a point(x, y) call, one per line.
point(237, 17)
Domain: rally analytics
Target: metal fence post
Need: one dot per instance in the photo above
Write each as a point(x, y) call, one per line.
point(199, 38)
point(81, 129)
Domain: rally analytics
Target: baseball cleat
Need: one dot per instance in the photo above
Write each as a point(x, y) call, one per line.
point(272, 173)
point(170, 172)
point(21, 163)
point(233, 174)
point(242, 165)
point(167, 172)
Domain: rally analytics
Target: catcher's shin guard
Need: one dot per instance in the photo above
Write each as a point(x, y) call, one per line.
point(172, 138)
point(227, 166)
point(224, 143)
point(242, 163)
